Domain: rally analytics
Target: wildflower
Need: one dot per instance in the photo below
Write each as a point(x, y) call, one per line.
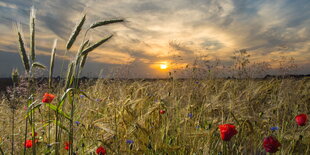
point(162, 111)
point(82, 96)
point(227, 131)
point(301, 119)
point(129, 141)
point(190, 115)
point(67, 145)
point(28, 143)
point(274, 128)
point(271, 144)
point(101, 151)
point(77, 123)
point(48, 98)
point(98, 100)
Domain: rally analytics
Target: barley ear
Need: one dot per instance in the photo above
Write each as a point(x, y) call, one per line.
point(15, 75)
point(53, 53)
point(37, 65)
point(86, 44)
point(69, 78)
point(22, 52)
point(106, 22)
point(84, 57)
point(94, 46)
point(32, 34)
point(76, 32)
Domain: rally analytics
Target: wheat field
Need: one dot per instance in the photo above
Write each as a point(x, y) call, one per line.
point(124, 117)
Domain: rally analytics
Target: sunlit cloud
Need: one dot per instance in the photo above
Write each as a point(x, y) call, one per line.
point(157, 30)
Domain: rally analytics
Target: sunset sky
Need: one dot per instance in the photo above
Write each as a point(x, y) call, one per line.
point(156, 30)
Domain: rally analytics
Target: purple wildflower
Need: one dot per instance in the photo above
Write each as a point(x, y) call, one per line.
point(274, 128)
point(190, 115)
point(128, 141)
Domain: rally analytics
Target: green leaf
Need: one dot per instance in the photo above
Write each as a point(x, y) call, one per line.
point(59, 111)
point(61, 125)
point(32, 107)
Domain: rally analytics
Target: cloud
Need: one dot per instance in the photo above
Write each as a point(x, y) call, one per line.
point(215, 28)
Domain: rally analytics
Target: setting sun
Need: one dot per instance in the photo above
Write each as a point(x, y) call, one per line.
point(163, 66)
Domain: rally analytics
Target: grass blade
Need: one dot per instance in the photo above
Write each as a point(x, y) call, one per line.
point(76, 32)
point(94, 46)
point(22, 52)
point(53, 107)
point(106, 22)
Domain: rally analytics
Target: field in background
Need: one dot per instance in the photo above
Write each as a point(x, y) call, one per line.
point(124, 117)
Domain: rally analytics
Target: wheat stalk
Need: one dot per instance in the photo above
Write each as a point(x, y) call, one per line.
point(86, 44)
point(69, 75)
point(53, 53)
point(32, 34)
point(22, 52)
point(106, 22)
point(94, 46)
point(76, 32)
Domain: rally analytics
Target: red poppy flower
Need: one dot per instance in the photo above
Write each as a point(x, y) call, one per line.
point(271, 144)
point(48, 98)
point(101, 151)
point(28, 143)
point(67, 144)
point(301, 119)
point(162, 111)
point(227, 131)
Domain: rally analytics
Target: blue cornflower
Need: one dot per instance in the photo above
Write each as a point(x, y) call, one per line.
point(190, 115)
point(128, 141)
point(77, 123)
point(274, 128)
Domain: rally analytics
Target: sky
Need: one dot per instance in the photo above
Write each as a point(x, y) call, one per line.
point(157, 32)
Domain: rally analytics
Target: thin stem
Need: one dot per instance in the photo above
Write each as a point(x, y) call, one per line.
point(56, 135)
point(25, 135)
point(49, 126)
point(13, 126)
point(33, 133)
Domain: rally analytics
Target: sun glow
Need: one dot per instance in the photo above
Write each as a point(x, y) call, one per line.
point(163, 66)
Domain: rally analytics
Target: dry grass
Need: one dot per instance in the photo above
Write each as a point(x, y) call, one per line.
point(130, 111)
